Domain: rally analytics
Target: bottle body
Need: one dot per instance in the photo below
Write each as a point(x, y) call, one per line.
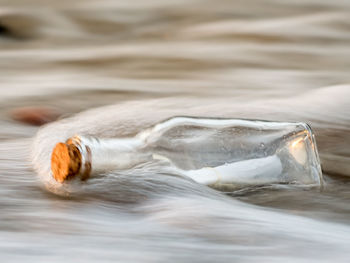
point(227, 145)
point(215, 151)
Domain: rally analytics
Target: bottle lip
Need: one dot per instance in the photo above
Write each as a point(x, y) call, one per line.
point(71, 159)
point(86, 157)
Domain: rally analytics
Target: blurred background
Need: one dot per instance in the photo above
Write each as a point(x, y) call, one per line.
point(151, 59)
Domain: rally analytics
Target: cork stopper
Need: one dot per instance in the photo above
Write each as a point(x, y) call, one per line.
point(65, 161)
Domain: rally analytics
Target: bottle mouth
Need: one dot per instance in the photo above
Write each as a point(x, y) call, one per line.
point(70, 159)
point(65, 161)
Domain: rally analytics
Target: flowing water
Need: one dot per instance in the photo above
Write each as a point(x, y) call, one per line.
point(126, 65)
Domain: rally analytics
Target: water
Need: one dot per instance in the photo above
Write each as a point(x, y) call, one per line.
point(150, 60)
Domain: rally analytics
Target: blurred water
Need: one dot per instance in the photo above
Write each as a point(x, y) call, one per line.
point(149, 60)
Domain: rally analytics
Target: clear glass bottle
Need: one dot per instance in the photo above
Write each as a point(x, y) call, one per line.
point(213, 152)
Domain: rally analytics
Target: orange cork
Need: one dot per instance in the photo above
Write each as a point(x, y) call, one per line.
point(65, 161)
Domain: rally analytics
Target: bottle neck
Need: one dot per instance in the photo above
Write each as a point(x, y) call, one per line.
point(84, 156)
point(103, 155)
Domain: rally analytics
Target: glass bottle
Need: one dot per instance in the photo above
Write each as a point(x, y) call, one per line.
point(213, 152)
